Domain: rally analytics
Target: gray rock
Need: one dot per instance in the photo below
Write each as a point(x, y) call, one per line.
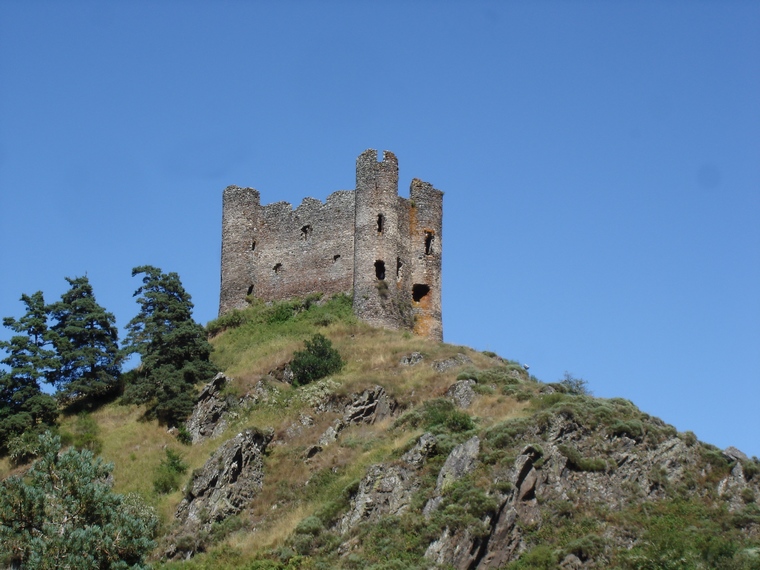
point(208, 417)
point(448, 363)
point(460, 461)
point(331, 433)
point(733, 454)
point(370, 406)
point(387, 489)
point(411, 359)
point(227, 482)
point(461, 392)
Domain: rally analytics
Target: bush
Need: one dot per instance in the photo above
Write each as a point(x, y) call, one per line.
point(577, 386)
point(166, 478)
point(317, 361)
point(439, 413)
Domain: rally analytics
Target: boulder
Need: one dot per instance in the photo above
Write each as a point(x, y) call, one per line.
point(208, 417)
point(411, 359)
point(461, 393)
point(387, 489)
point(227, 482)
point(448, 363)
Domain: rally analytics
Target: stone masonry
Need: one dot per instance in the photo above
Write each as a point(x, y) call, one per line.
point(385, 248)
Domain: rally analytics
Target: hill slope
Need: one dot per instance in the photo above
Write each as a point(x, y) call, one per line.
point(421, 455)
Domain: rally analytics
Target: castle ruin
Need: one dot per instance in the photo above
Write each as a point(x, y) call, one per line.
point(370, 241)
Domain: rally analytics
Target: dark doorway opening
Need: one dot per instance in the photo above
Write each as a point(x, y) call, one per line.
point(380, 269)
point(419, 291)
point(305, 232)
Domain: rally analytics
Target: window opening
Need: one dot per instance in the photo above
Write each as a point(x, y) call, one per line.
point(305, 232)
point(419, 291)
point(380, 223)
point(429, 242)
point(277, 267)
point(399, 265)
point(250, 290)
point(253, 245)
point(380, 269)
point(336, 257)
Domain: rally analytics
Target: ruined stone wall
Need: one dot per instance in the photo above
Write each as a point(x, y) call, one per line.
point(385, 248)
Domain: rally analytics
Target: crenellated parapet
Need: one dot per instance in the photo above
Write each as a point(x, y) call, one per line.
point(371, 242)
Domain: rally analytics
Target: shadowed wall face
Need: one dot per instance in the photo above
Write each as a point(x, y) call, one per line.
point(384, 248)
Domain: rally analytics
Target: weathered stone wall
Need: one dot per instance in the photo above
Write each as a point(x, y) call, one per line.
point(385, 248)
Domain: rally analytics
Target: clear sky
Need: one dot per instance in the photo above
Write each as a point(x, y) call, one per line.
point(601, 164)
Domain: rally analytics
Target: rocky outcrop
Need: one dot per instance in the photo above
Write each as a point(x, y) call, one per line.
point(448, 363)
point(227, 482)
point(368, 407)
point(208, 417)
point(461, 392)
point(459, 463)
point(411, 359)
point(387, 489)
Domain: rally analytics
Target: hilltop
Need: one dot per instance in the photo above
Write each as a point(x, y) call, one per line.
point(417, 454)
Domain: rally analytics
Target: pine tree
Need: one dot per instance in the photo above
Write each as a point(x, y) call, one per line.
point(86, 343)
point(24, 408)
point(173, 348)
point(62, 514)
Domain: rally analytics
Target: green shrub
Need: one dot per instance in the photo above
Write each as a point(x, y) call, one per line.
point(576, 461)
point(540, 558)
point(230, 320)
point(631, 428)
point(85, 435)
point(183, 436)
point(439, 413)
point(166, 477)
point(317, 361)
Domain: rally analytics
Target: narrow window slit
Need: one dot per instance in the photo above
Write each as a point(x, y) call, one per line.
point(380, 223)
point(253, 245)
point(429, 237)
point(399, 265)
point(380, 269)
point(250, 290)
point(419, 291)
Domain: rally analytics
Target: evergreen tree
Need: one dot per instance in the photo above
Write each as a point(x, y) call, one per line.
point(173, 348)
point(86, 343)
point(23, 405)
point(62, 514)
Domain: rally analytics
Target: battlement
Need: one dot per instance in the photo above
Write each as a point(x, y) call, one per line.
point(371, 242)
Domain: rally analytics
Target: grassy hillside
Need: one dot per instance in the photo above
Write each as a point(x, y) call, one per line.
point(667, 514)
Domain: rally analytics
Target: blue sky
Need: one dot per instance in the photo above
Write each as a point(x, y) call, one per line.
point(601, 164)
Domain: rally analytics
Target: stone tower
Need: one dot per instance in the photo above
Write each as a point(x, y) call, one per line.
point(384, 248)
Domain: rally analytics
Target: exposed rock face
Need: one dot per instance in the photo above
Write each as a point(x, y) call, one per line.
point(459, 463)
point(207, 419)
point(388, 489)
point(227, 482)
point(461, 392)
point(634, 472)
point(368, 407)
point(448, 363)
point(411, 359)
